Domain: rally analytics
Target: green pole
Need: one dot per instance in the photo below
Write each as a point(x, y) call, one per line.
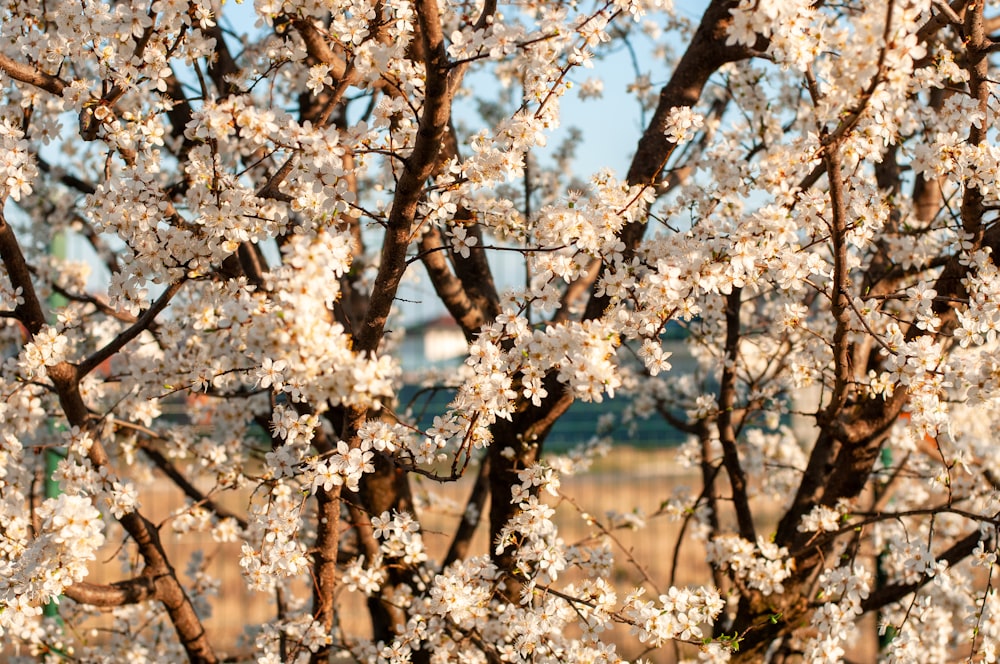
point(52, 490)
point(881, 577)
point(53, 454)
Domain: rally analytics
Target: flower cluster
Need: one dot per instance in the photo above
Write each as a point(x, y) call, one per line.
point(682, 124)
point(321, 366)
point(271, 550)
point(679, 614)
point(797, 270)
point(70, 535)
point(17, 170)
point(343, 468)
point(400, 537)
point(842, 590)
point(762, 566)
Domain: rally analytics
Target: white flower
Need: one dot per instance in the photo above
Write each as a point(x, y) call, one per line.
point(326, 476)
point(319, 77)
point(461, 241)
point(820, 519)
point(271, 373)
point(654, 356)
point(682, 124)
point(123, 499)
point(365, 578)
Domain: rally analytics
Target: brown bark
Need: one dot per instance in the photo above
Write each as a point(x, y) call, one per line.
point(440, 87)
point(29, 312)
point(65, 379)
point(852, 434)
point(525, 435)
point(27, 73)
point(325, 564)
point(469, 293)
point(168, 589)
point(727, 405)
point(130, 591)
point(461, 542)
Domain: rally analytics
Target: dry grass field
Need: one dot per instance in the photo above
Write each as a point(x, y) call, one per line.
point(625, 480)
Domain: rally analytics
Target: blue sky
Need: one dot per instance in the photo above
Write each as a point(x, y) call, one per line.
point(610, 128)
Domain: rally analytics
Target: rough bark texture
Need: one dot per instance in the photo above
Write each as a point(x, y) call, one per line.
point(531, 424)
point(852, 431)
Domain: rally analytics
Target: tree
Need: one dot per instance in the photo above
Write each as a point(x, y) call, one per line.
point(813, 199)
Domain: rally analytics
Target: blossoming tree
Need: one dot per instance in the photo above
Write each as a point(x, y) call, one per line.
point(814, 198)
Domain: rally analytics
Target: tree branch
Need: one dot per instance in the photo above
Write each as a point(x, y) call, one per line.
point(897, 591)
point(839, 302)
point(140, 325)
point(462, 540)
point(66, 380)
point(29, 312)
point(32, 75)
point(468, 313)
point(706, 53)
point(440, 86)
point(727, 404)
point(190, 490)
point(130, 591)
